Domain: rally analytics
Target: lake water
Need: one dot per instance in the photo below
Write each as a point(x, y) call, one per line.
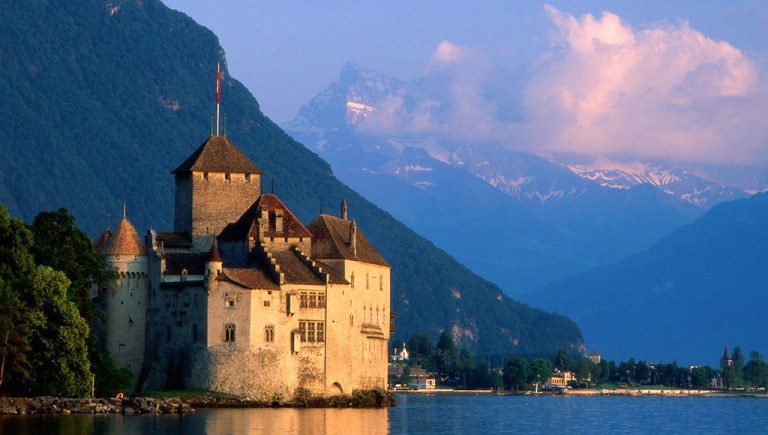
point(444, 414)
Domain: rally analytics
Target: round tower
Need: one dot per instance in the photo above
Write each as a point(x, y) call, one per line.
point(214, 265)
point(126, 299)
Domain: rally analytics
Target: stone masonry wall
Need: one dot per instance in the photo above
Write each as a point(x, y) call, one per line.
point(217, 201)
point(257, 375)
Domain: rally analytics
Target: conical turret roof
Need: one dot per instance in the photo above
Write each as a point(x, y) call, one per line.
point(124, 241)
point(214, 255)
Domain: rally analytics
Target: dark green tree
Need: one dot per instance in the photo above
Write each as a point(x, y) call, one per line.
point(628, 371)
point(606, 369)
point(420, 345)
point(700, 376)
point(733, 374)
point(540, 370)
point(61, 245)
point(642, 373)
point(563, 361)
point(444, 357)
point(59, 355)
point(582, 370)
point(756, 371)
point(16, 241)
point(466, 367)
point(16, 262)
point(516, 373)
point(109, 377)
point(14, 340)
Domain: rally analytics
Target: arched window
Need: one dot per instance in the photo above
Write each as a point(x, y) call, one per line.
point(351, 319)
point(269, 333)
point(229, 333)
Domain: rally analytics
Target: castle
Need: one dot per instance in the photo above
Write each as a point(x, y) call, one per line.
point(242, 297)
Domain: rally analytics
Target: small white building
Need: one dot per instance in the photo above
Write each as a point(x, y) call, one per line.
point(400, 354)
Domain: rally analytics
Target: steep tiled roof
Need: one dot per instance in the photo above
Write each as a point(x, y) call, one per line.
point(125, 241)
point(218, 154)
point(330, 240)
point(214, 255)
point(175, 240)
point(249, 278)
point(247, 225)
point(103, 240)
point(334, 271)
point(295, 270)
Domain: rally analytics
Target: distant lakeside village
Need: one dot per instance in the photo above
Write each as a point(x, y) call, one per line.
point(243, 303)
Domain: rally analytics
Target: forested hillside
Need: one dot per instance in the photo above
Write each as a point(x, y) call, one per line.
point(101, 100)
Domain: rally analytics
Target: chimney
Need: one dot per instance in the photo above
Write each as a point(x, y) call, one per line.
point(353, 237)
point(263, 221)
point(279, 213)
point(344, 209)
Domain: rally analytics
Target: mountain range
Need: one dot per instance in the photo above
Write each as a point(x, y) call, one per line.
point(686, 297)
point(102, 99)
point(532, 220)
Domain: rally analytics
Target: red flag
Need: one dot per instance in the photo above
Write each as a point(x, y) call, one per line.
point(218, 83)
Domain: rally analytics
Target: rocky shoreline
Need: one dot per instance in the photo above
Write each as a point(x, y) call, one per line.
point(58, 405)
point(358, 399)
point(174, 405)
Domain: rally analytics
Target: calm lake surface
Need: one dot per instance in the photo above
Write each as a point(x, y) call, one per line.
point(444, 414)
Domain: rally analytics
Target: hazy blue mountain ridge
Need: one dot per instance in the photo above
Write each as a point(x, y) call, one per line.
point(687, 296)
point(525, 221)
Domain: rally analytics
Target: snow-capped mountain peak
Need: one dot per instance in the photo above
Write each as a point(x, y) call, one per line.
point(675, 181)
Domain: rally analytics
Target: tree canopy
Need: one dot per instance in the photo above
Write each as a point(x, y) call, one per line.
point(46, 272)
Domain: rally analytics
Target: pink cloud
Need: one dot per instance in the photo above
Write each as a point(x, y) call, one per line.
point(667, 91)
point(603, 88)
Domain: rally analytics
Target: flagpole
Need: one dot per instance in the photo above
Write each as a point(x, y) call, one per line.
point(218, 95)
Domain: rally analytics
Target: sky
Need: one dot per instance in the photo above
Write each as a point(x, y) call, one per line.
point(682, 80)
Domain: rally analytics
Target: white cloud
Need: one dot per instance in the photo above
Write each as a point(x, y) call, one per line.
point(666, 91)
point(603, 88)
point(446, 53)
point(453, 100)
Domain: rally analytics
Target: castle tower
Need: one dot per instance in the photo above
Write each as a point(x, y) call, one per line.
point(214, 187)
point(126, 300)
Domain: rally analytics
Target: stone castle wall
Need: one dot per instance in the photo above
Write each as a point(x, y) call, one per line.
point(126, 306)
point(218, 201)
